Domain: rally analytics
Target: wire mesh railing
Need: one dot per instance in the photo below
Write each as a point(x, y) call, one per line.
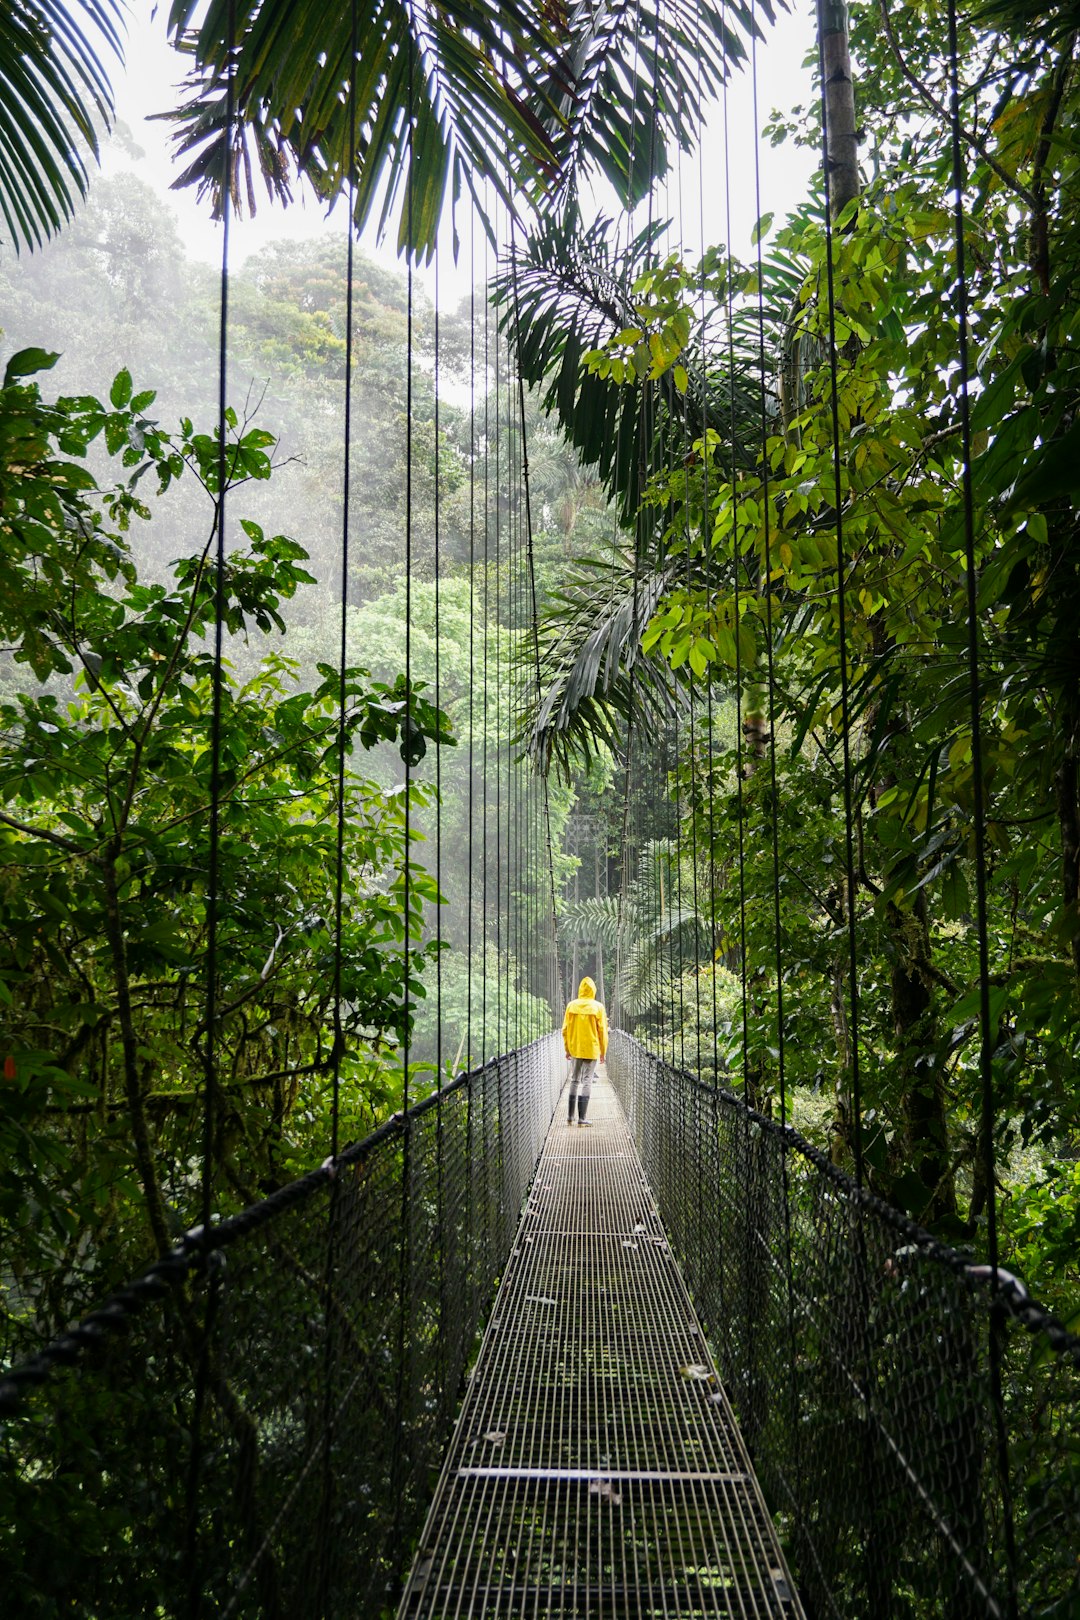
point(253, 1427)
point(857, 1353)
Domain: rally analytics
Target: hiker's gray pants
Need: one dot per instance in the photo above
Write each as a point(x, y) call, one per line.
point(581, 1077)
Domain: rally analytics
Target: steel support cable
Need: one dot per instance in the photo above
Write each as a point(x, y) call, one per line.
point(988, 1108)
point(873, 1573)
point(694, 802)
point(440, 1192)
point(471, 769)
point(513, 836)
point(650, 416)
point(213, 872)
point(841, 610)
point(774, 815)
point(500, 712)
point(343, 627)
point(487, 641)
point(323, 1577)
point(773, 783)
point(499, 706)
point(405, 1263)
point(624, 863)
point(740, 783)
point(515, 893)
point(470, 796)
point(692, 719)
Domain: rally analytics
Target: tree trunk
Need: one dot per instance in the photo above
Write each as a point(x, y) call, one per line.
point(1067, 790)
point(838, 94)
point(924, 1118)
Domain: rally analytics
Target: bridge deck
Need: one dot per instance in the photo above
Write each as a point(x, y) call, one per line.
point(596, 1469)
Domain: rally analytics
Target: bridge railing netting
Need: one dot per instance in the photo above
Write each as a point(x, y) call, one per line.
point(857, 1354)
point(261, 1438)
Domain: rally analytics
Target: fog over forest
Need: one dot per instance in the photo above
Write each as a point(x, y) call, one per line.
point(117, 289)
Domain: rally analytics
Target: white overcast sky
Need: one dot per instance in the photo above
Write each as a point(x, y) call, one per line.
point(153, 69)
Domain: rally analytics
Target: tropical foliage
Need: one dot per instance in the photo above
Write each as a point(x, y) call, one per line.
point(57, 100)
point(447, 98)
point(750, 534)
point(139, 964)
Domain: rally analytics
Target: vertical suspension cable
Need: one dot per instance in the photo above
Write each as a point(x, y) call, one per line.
point(343, 625)
point(740, 769)
point(873, 1572)
point(794, 1419)
point(409, 314)
point(986, 1034)
point(470, 1061)
point(841, 612)
point(213, 859)
point(213, 877)
point(500, 967)
point(484, 857)
point(513, 864)
point(472, 648)
point(438, 692)
point(691, 729)
point(624, 863)
point(768, 585)
point(543, 801)
point(707, 557)
point(323, 1574)
point(440, 1211)
point(405, 1267)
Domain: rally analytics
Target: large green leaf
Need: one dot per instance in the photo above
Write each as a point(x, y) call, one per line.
point(55, 99)
point(515, 100)
point(569, 288)
point(595, 678)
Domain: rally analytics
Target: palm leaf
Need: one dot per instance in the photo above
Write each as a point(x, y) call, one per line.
point(55, 99)
point(594, 677)
point(594, 920)
point(447, 98)
point(630, 106)
point(568, 289)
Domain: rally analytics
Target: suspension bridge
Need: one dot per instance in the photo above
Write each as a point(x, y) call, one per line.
point(823, 1401)
point(482, 1361)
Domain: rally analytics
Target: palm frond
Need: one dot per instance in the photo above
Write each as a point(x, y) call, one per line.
point(631, 106)
point(55, 101)
point(594, 920)
point(448, 98)
point(435, 93)
point(593, 674)
point(568, 289)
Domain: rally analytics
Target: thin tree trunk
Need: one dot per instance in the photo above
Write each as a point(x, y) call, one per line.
point(925, 1120)
point(133, 1084)
point(1067, 789)
point(838, 91)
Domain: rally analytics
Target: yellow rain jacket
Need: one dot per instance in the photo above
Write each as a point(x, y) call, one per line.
point(584, 1025)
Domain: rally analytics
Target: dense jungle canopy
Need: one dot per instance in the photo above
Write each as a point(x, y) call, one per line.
point(694, 453)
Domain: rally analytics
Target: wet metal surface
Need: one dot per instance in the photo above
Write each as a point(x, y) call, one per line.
point(596, 1469)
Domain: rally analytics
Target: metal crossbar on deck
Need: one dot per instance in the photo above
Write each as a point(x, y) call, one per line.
point(596, 1468)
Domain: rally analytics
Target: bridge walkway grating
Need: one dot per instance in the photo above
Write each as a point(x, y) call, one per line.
point(596, 1468)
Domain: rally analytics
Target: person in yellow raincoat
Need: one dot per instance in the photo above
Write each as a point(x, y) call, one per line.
point(584, 1033)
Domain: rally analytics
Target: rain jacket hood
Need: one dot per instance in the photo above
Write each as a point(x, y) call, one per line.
point(585, 1031)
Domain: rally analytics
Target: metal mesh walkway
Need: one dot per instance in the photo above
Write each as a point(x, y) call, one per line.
point(596, 1468)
